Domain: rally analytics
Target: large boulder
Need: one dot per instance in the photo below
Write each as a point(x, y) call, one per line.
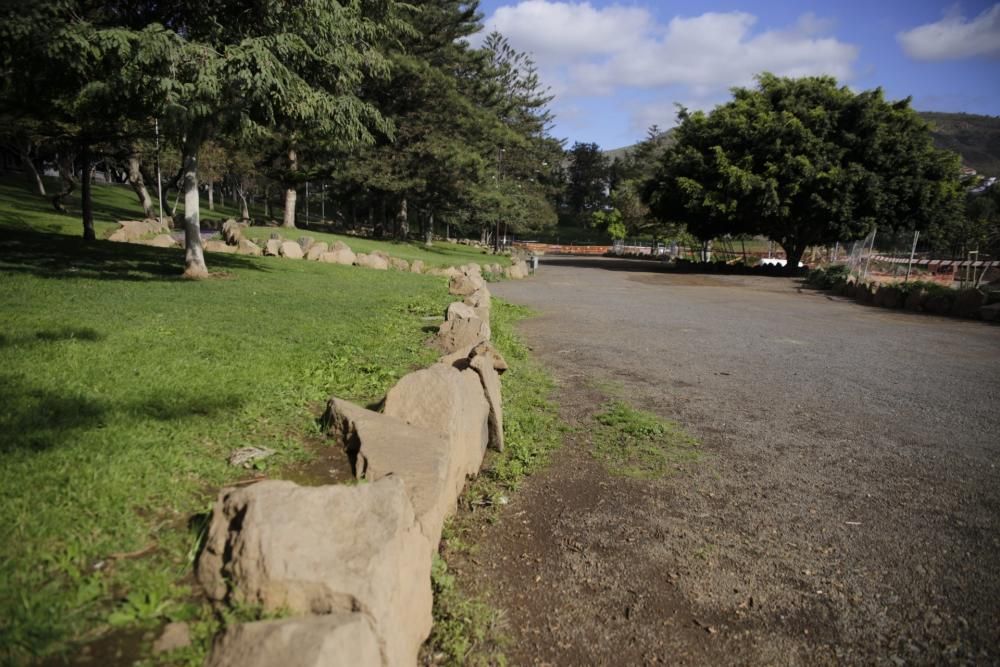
point(939, 304)
point(162, 241)
point(417, 266)
point(517, 270)
point(291, 250)
point(248, 247)
point(372, 261)
point(465, 284)
point(448, 402)
point(339, 253)
point(399, 264)
point(915, 300)
point(305, 242)
point(273, 248)
point(462, 328)
point(317, 250)
point(460, 359)
point(324, 549)
point(232, 232)
point(130, 231)
point(480, 303)
point(380, 445)
point(219, 246)
point(342, 638)
point(890, 296)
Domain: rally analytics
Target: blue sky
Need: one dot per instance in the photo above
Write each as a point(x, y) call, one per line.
point(618, 67)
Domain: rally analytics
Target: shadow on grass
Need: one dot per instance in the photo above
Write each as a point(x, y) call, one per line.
point(60, 256)
point(52, 336)
point(37, 419)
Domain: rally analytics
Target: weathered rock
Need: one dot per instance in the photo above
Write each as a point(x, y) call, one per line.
point(219, 246)
point(484, 364)
point(232, 232)
point(273, 247)
point(461, 359)
point(174, 636)
point(462, 328)
point(343, 638)
point(399, 264)
point(291, 250)
point(305, 242)
point(480, 301)
point(517, 270)
point(451, 403)
point(372, 261)
point(380, 445)
point(248, 247)
point(465, 284)
point(967, 303)
point(416, 266)
point(162, 241)
point(339, 253)
point(317, 250)
point(324, 549)
point(130, 231)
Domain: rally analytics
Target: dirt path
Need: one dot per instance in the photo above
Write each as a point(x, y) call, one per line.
point(846, 510)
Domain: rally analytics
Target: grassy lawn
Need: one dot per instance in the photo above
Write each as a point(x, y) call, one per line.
point(124, 388)
point(22, 208)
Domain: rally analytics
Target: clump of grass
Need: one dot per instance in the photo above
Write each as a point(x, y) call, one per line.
point(467, 631)
point(640, 444)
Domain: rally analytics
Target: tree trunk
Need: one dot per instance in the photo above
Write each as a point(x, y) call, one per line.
point(402, 221)
point(64, 163)
point(86, 200)
point(135, 179)
point(267, 201)
point(23, 151)
point(290, 193)
point(194, 255)
point(211, 196)
point(793, 255)
point(244, 209)
point(429, 239)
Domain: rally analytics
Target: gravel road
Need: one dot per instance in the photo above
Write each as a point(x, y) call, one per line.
point(846, 509)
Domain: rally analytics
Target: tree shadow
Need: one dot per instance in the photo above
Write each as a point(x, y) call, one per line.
point(35, 419)
point(85, 334)
point(606, 263)
point(60, 256)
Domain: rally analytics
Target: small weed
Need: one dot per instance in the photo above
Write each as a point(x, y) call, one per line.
point(636, 443)
point(467, 631)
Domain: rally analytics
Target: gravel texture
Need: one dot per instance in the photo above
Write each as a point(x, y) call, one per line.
point(846, 509)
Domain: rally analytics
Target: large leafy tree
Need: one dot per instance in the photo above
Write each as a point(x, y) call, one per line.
point(804, 162)
point(588, 181)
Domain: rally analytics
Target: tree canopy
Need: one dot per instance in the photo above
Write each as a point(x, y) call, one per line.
point(804, 162)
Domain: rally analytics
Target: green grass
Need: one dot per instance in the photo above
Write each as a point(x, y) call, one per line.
point(23, 208)
point(123, 390)
point(440, 254)
point(639, 444)
point(467, 629)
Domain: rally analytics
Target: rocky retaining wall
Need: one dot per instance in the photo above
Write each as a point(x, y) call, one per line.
point(234, 242)
point(350, 565)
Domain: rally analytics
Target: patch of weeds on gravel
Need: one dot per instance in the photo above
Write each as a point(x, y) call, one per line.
point(639, 444)
point(468, 630)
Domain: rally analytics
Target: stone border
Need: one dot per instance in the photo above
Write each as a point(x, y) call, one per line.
point(968, 303)
point(235, 243)
point(351, 564)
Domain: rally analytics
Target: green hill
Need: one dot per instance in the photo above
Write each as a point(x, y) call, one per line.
point(976, 138)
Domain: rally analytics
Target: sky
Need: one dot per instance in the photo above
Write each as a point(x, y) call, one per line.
point(616, 68)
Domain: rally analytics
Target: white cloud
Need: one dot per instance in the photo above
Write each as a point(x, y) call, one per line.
point(594, 51)
point(557, 32)
point(953, 37)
